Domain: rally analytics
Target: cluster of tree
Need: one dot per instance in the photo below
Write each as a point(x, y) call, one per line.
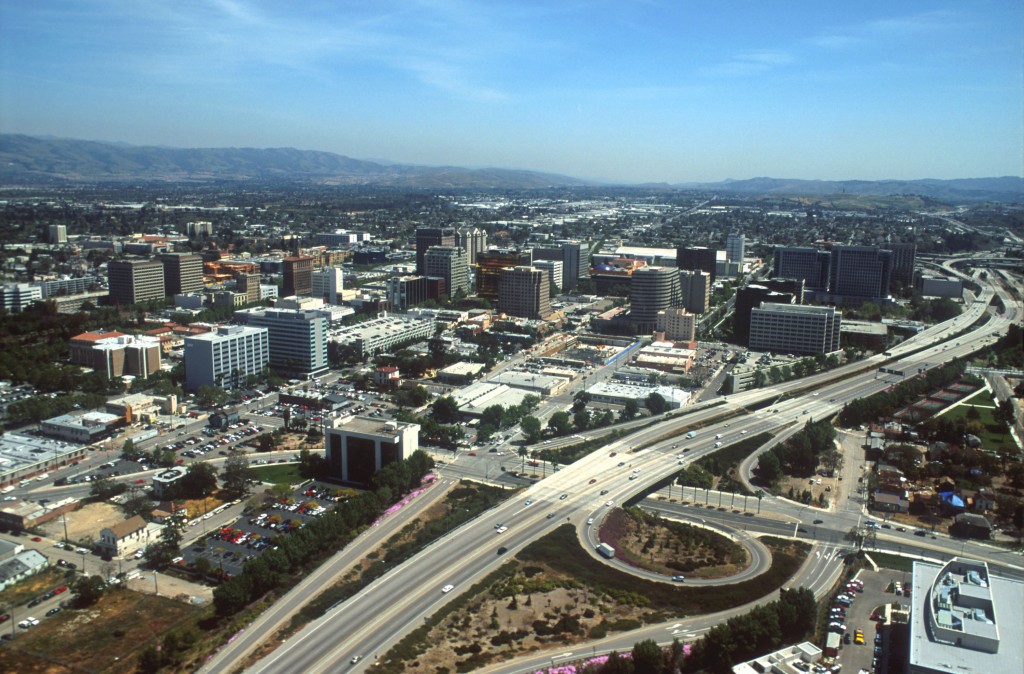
point(801, 454)
point(934, 310)
point(763, 629)
point(885, 403)
point(37, 408)
point(417, 396)
point(1010, 348)
point(323, 536)
point(499, 417)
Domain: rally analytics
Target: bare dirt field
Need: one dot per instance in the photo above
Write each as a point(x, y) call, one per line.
point(85, 523)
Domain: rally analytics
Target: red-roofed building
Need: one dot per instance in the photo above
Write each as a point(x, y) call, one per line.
point(387, 376)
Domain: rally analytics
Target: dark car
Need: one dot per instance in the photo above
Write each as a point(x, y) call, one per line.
point(920, 532)
point(502, 550)
point(53, 611)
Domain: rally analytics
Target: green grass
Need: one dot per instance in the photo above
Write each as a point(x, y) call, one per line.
point(894, 562)
point(278, 474)
point(996, 434)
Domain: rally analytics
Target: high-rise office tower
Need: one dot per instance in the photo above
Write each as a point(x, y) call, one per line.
point(328, 284)
point(432, 236)
point(249, 284)
point(569, 253)
point(201, 228)
point(225, 357)
point(133, 281)
point(904, 256)
point(473, 240)
point(734, 247)
point(695, 287)
point(696, 258)
point(298, 275)
point(449, 263)
point(297, 340)
point(785, 328)
point(752, 296)
point(810, 264)
point(407, 291)
point(524, 292)
point(57, 234)
point(183, 273)
point(489, 265)
point(860, 272)
point(653, 289)
point(554, 270)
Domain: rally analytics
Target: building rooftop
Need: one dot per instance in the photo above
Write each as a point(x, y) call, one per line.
point(26, 450)
point(371, 426)
point(462, 369)
point(965, 620)
point(129, 526)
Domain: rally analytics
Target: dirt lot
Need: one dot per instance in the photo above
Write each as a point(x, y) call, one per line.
point(103, 638)
point(86, 522)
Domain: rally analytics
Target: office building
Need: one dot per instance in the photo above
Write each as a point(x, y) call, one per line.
point(809, 264)
point(426, 237)
point(84, 428)
point(677, 324)
point(614, 276)
point(785, 328)
point(490, 264)
point(297, 275)
point(63, 287)
point(133, 281)
point(248, 284)
point(183, 273)
point(407, 291)
point(448, 263)
point(16, 297)
point(57, 234)
point(199, 229)
point(774, 291)
point(734, 247)
point(553, 269)
point(695, 287)
point(697, 258)
point(964, 619)
point(340, 237)
point(473, 240)
point(524, 292)
point(226, 357)
point(653, 289)
point(327, 284)
point(358, 447)
point(297, 340)
point(569, 253)
point(860, 273)
point(904, 257)
point(934, 285)
point(114, 354)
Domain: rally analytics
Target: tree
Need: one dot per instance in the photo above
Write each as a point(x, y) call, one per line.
point(104, 487)
point(137, 503)
point(88, 590)
point(198, 482)
point(581, 419)
point(647, 657)
point(531, 427)
point(769, 471)
point(484, 432)
point(629, 410)
point(446, 410)
point(236, 476)
point(560, 423)
point(655, 403)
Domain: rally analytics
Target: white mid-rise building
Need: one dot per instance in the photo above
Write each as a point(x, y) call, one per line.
point(226, 357)
point(787, 328)
point(297, 339)
point(17, 297)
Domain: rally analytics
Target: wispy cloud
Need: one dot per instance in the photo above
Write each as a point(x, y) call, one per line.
point(750, 63)
point(887, 29)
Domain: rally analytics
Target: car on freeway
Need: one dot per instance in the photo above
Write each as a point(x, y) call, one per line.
point(563, 497)
point(5, 617)
point(609, 503)
point(53, 611)
point(447, 588)
point(502, 550)
point(551, 516)
point(818, 521)
point(593, 480)
point(501, 530)
point(590, 520)
point(355, 659)
point(679, 579)
point(529, 501)
point(613, 454)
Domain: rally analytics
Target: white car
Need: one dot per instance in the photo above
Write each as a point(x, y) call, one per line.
point(447, 588)
point(610, 503)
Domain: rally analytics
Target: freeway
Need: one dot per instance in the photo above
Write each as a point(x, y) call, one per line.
point(375, 619)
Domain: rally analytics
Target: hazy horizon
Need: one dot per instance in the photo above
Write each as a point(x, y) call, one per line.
point(646, 92)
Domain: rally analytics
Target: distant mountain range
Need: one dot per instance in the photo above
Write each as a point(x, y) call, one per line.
point(31, 160)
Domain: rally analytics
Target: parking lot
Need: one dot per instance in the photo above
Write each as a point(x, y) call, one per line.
point(229, 547)
point(871, 601)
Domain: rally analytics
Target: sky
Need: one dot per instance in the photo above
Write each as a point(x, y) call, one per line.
point(626, 91)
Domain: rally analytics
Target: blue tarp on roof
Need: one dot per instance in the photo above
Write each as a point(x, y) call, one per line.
point(949, 498)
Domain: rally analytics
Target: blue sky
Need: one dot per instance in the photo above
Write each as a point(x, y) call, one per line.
point(626, 91)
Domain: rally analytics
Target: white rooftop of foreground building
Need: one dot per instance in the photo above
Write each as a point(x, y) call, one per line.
point(475, 398)
point(965, 620)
